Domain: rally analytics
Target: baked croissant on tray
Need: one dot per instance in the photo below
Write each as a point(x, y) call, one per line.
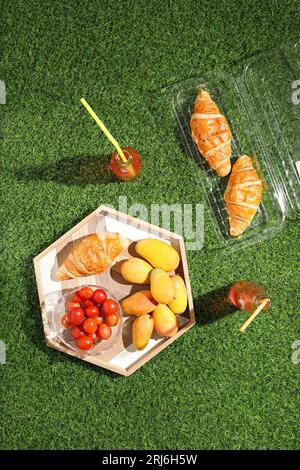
point(211, 132)
point(242, 195)
point(91, 255)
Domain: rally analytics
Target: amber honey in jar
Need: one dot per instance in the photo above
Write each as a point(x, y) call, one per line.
point(247, 296)
point(126, 170)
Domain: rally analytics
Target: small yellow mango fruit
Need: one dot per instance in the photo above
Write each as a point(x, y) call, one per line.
point(136, 271)
point(165, 321)
point(161, 286)
point(142, 328)
point(158, 253)
point(139, 303)
point(179, 303)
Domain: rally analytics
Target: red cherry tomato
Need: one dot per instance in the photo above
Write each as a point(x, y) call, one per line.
point(87, 303)
point(85, 342)
point(76, 316)
point(92, 312)
point(103, 331)
point(99, 296)
point(111, 319)
point(70, 305)
point(109, 306)
point(65, 321)
point(94, 337)
point(77, 332)
point(76, 297)
point(90, 326)
point(86, 293)
point(99, 320)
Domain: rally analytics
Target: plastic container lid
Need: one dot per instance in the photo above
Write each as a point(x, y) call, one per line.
point(262, 107)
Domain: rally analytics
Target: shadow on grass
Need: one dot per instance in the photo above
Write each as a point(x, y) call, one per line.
point(213, 306)
point(79, 170)
point(34, 330)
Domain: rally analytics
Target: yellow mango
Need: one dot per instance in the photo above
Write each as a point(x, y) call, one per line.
point(158, 253)
point(139, 303)
point(165, 321)
point(161, 286)
point(136, 271)
point(142, 328)
point(179, 303)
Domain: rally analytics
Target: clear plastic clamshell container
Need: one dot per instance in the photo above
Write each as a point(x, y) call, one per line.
point(263, 110)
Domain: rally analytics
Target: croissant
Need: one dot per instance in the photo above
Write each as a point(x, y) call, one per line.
point(211, 132)
point(91, 255)
point(242, 195)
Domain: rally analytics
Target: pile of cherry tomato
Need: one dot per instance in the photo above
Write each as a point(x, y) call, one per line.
point(90, 315)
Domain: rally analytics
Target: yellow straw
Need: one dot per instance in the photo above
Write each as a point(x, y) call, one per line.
point(254, 315)
point(104, 129)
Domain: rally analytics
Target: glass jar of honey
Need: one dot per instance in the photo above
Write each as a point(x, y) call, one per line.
point(128, 170)
point(247, 296)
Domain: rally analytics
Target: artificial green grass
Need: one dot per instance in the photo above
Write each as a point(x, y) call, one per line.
point(213, 388)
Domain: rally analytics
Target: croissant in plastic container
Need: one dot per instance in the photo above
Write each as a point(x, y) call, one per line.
point(242, 195)
point(91, 255)
point(211, 132)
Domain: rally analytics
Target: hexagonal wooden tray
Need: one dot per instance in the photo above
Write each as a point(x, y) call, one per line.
point(122, 358)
